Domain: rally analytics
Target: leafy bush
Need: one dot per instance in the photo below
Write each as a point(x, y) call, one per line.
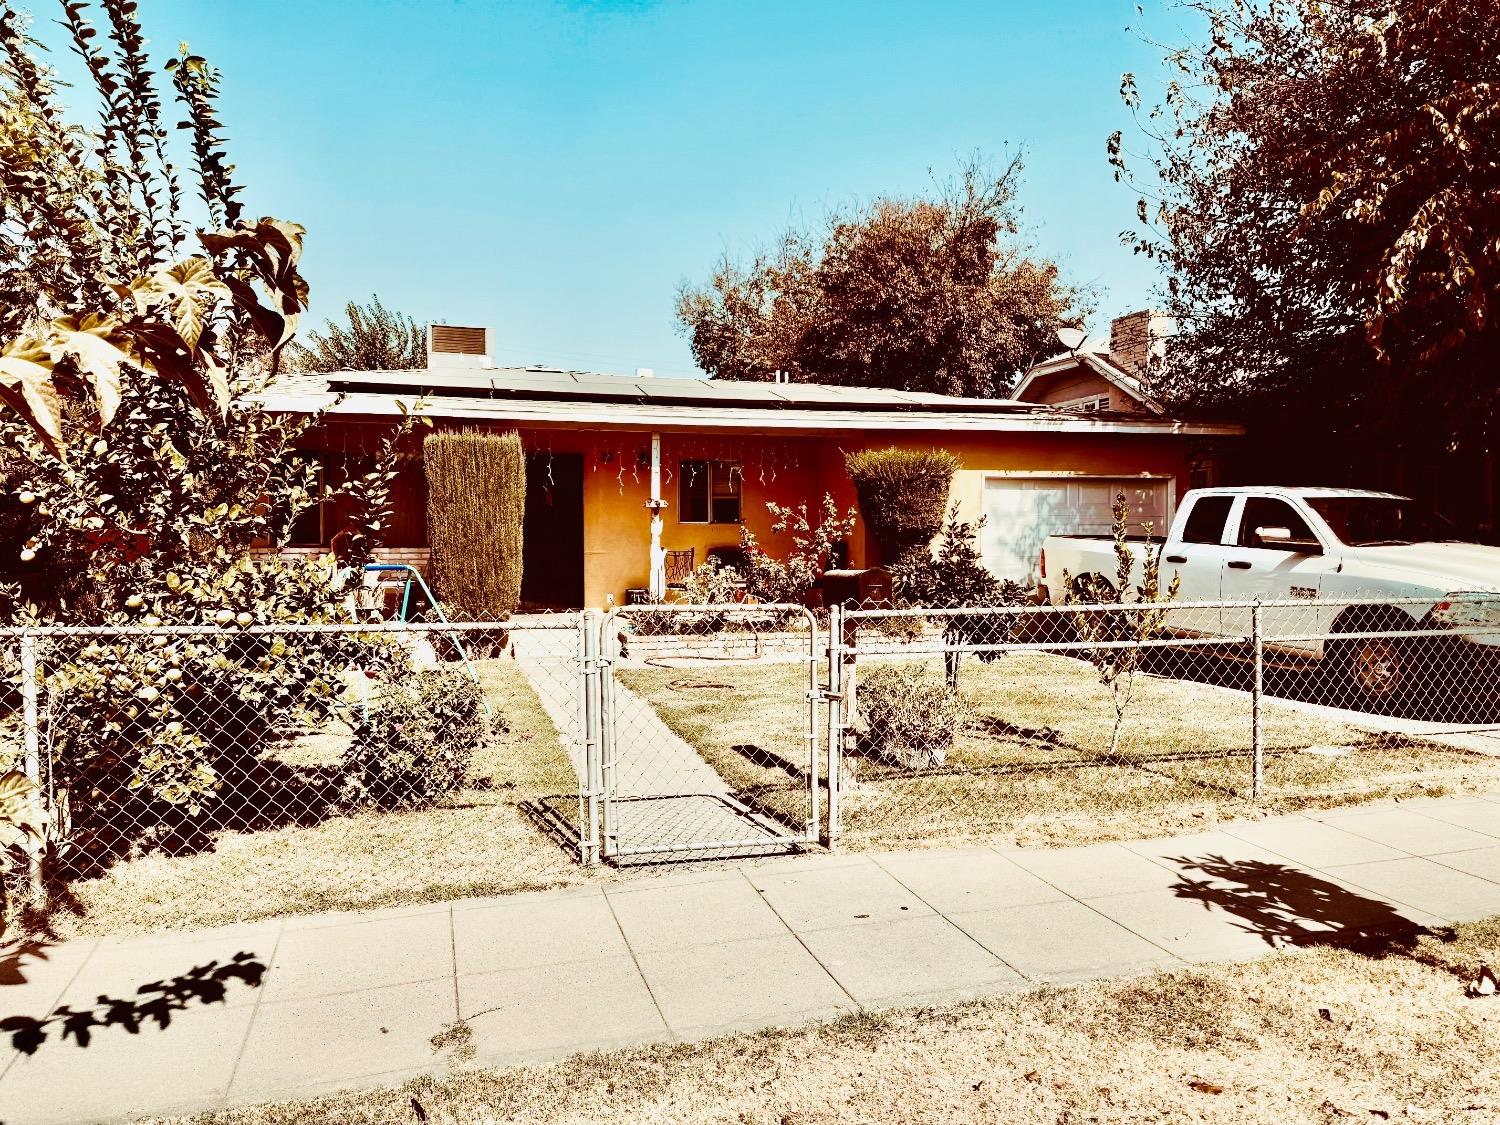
point(902, 494)
point(790, 579)
point(158, 736)
point(912, 720)
point(711, 583)
point(954, 577)
point(414, 747)
point(476, 505)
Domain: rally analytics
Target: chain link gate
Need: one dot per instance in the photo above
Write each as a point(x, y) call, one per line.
point(664, 786)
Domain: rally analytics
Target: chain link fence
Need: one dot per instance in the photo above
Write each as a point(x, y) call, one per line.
point(711, 731)
point(218, 773)
point(201, 774)
point(1065, 723)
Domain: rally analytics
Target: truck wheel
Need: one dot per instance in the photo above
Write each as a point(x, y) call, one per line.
point(1368, 673)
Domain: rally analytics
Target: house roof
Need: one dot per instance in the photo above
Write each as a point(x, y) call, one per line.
point(554, 397)
point(1093, 357)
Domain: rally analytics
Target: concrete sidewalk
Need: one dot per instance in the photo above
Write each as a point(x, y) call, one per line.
point(305, 1005)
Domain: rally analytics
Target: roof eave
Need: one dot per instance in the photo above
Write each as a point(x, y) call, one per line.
point(667, 417)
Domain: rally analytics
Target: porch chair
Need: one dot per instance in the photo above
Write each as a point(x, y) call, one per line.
point(680, 568)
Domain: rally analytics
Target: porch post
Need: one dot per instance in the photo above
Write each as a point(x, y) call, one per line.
point(657, 583)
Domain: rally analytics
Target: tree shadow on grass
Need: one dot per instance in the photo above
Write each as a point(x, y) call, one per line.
point(154, 1004)
point(1291, 908)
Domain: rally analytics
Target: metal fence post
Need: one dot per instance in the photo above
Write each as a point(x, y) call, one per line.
point(1257, 689)
point(32, 764)
point(835, 725)
point(588, 643)
point(609, 840)
point(814, 825)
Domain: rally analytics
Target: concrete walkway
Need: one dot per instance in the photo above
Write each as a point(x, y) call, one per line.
point(667, 795)
point(304, 1005)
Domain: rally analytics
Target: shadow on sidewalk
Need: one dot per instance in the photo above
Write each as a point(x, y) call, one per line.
point(1289, 907)
point(155, 1004)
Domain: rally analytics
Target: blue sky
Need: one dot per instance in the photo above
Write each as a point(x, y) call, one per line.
point(556, 169)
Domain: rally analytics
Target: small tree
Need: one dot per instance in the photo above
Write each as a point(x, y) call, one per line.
point(902, 494)
point(476, 483)
point(1140, 618)
point(375, 339)
point(790, 579)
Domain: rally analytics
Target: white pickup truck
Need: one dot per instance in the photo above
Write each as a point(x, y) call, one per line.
point(1240, 544)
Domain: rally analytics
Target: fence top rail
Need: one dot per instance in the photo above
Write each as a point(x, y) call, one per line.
point(282, 629)
point(746, 609)
point(878, 646)
point(875, 613)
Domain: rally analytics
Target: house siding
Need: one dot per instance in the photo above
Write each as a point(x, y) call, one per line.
point(1076, 384)
point(786, 470)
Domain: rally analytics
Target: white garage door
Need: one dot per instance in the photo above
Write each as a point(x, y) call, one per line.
point(1021, 513)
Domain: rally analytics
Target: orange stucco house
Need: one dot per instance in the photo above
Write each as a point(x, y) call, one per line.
point(721, 450)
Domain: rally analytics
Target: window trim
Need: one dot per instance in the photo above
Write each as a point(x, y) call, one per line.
point(736, 470)
point(320, 508)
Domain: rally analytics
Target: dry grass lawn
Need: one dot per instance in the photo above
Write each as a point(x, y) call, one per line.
point(1031, 764)
point(478, 842)
point(1314, 1036)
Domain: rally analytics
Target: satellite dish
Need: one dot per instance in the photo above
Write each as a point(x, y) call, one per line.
point(1071, 338)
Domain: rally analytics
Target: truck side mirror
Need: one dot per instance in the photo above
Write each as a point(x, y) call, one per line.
point(1282, 537)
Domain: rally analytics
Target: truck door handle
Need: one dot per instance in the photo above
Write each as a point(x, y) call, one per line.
point(1239, 564)
point(1177, 558)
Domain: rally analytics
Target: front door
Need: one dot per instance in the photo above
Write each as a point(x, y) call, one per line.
point(552, 533)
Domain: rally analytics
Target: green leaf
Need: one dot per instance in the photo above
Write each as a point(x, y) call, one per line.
point(98, 348)
point(189, 289)
point(26, 384)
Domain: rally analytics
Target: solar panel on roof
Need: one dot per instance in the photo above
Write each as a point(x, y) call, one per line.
point(540, 385)
point(708, 390)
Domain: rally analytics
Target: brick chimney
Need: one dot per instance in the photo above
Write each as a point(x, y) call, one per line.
point(1138, 338)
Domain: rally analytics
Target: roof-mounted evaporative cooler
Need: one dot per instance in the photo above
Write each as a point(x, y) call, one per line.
point(454, 346)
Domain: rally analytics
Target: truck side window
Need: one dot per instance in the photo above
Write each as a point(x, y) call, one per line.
point(1264, 511)
point(1205, 523)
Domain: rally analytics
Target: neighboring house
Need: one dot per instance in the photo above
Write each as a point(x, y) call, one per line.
point(1099, 377)
point(723, 449)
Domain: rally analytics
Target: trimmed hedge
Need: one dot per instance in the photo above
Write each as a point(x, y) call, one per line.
point(476, 504)
point(903, 494)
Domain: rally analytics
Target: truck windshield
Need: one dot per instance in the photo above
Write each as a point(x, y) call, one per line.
point(1381, 521)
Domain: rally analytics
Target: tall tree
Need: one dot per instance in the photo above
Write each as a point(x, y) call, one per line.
point(931, 294)
point(374, 339)
point(132, 345)
point(140, 469)
point(1323, 192)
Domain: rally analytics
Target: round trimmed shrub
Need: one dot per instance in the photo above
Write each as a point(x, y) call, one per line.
point(903, 494)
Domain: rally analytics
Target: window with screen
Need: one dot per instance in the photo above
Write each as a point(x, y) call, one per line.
point(1264, 511)
point(1205, 522)
point(309, 528)
point(709, 491)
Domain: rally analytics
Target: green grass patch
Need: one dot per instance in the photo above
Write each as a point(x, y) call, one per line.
point(1032, 764)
